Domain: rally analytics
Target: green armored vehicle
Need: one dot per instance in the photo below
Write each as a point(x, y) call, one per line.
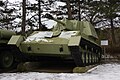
point(69, 40)
point(6, 56)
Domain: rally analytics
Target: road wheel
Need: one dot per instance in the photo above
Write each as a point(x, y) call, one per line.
point(6, 60)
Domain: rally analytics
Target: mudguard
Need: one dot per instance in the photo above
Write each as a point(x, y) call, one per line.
point(74, 41)
point(16, 40)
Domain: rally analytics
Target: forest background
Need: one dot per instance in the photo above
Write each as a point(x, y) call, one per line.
point(103, 14)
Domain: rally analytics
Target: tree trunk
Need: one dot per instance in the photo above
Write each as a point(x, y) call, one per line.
point(39, 5)
point(79, 13)
point(23, 16)
point(69, 9)
point(113, 32)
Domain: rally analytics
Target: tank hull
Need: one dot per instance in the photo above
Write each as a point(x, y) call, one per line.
point(5, 34)
point(77, 48)
point(72, 40)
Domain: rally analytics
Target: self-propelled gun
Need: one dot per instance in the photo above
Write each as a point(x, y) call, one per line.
point(69, 40)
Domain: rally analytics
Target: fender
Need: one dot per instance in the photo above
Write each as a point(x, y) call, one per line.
point(74, 41)
point(16, 40)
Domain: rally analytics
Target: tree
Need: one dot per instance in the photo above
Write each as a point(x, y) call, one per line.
point(7, 16)
point(23, 17)
point(110, 10)
point(105, 15)
point(39, 5)
point(69, 9)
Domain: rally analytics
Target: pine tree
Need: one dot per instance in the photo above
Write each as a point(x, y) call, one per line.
point(103, 12)
point(7, 15)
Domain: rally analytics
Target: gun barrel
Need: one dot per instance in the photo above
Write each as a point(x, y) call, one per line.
point(52, 18)
point(59, 21)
